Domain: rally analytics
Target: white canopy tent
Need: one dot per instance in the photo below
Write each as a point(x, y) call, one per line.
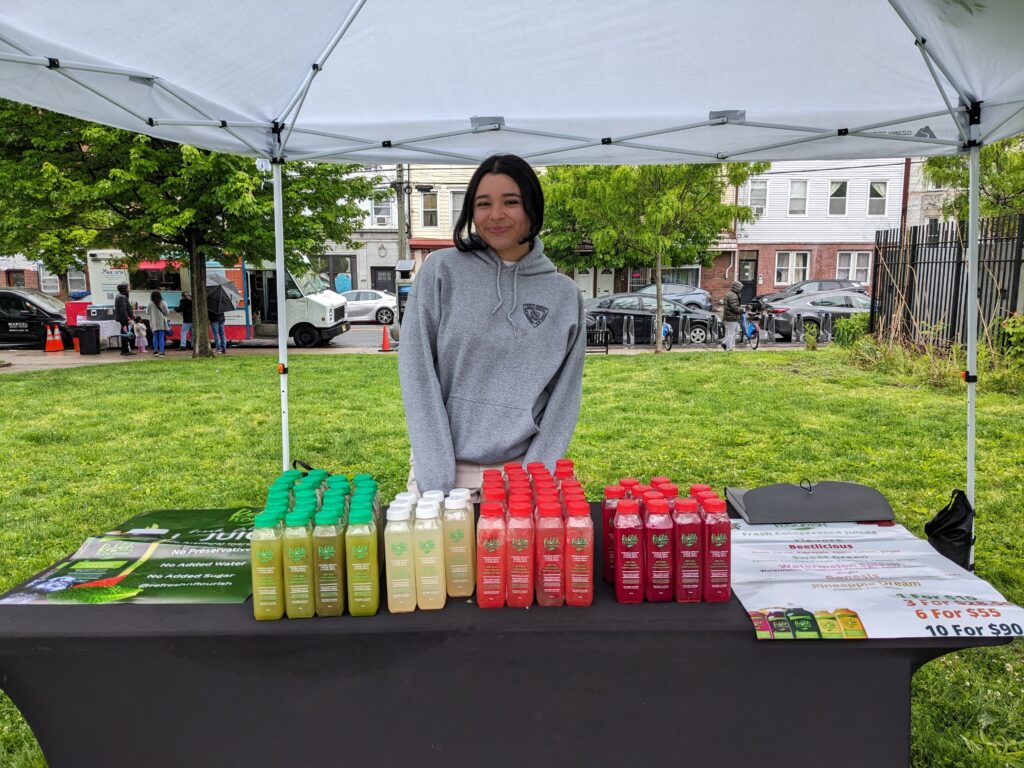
point(582, 81)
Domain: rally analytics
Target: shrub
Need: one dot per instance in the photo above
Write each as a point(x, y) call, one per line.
point(849, 329)
point(1013, 328)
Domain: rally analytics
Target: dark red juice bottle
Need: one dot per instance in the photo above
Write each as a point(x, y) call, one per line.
point(688, 537)
point(520, 533)
point(612, 495)
point(717, 552)
point(629, 553)
point(658, 546)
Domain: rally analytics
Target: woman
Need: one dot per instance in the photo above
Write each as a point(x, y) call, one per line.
point(159, 321)
point(493, 340)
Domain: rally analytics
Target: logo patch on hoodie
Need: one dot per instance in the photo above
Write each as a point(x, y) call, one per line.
point(535, 313)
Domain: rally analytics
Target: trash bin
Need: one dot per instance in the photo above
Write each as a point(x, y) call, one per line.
point(88, 338)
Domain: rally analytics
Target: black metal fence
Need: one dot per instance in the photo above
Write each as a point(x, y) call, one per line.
point(920, 280)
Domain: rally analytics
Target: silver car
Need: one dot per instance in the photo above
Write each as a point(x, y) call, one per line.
point(811, 307)
point(371, 306)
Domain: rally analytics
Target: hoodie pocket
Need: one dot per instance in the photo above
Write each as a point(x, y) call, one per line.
point(488, 433)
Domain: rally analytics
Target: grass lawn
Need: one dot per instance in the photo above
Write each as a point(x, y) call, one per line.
point(84, 449)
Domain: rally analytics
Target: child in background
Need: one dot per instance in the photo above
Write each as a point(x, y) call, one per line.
point(140, 335)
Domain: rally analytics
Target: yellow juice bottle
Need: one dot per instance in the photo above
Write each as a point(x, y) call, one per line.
point(267, 579)
point(361, 559)
point(849, 621)
point(431, 591)
point(298, 576)
point(459, 546)
point(399, 560)
point(328, 561)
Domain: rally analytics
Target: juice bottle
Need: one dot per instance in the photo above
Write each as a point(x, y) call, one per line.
point(612, 494)
point(829, 625)
point(460, 546)
point(267, 579)
point(519, 590)
point(697, 488)
point(637, 493)
point(717, 552)
point(702, 498)
point(647, 498)
point(671, 493)
point(328, 565)
point(629, 483)
point(629, 553)
point(362, 561)
point(658, 540)
point(550, 555)
point(491, 565)
point(657, 481)
point(579, 555)
point(804, 625)
point(298, 576)
point(780, 626)
point(399, 569)
point(849, 621)
point(688, 537)
point(428, 536)
point(761, 626)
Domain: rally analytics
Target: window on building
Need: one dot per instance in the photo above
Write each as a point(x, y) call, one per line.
point(931, 229)
point(16, 278)
point(382, 213)
point(837, 198)
point(755, 194)
point(458, 200)
point(429, 208)
point(681, 276)
point(853, 265)
point(877, 192)
point(797, 197)
point(791, 266)
point(48, 282)
point(77, 281)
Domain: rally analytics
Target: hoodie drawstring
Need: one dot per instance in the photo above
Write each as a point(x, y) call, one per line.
point(515, 286)
point(497, 285)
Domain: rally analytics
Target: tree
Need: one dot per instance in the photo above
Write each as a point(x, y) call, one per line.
point(1001, 183)
point(67, 186)
point(659, 215)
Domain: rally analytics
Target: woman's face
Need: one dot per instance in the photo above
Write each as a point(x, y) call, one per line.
point(499, 216)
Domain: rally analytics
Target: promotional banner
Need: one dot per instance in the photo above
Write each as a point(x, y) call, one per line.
point(849, 581)
point(165, 556)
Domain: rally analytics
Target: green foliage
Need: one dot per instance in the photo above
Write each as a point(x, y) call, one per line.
point(811, 331)
point(1001, 189)
point(847, 330)
point(1013, 337)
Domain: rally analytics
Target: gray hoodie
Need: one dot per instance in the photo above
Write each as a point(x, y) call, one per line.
point(490, 362)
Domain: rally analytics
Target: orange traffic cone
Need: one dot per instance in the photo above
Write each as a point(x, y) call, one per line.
point(385, 344)
point(53, 341)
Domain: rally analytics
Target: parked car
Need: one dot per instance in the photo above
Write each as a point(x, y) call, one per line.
point(610, 312)
point(807, 286)
point(813, 306)
point(371, 306)
point(26, 314)
point(690, 295)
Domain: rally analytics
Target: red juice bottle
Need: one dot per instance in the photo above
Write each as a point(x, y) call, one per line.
point(717, 552)
point(648, 496)
point(550, 554)
point(495, 493)
point(703, 497)
point(658, 541)
point(491, 556)
point(688, 537)
point(671, 492)
point(519, 589)
point(579, 555)
point(638, 493)
point(612, 495)
point(629, 553)
point(628, 483)
point(563, 472)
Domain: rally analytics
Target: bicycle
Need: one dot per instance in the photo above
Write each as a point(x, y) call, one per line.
point(749, 332)
point(666, 336)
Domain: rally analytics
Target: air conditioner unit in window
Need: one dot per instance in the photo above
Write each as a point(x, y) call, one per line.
point(383, 221)
point(758, 210)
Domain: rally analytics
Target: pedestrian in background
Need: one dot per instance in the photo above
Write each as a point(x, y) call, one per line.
point(140, 335)
point(220, 341)
point(124, 317)
point(731, 315)
point(159, 321)
point(185, 308)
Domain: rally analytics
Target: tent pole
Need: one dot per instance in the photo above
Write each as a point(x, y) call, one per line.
point(282, 324)
point(972, 318)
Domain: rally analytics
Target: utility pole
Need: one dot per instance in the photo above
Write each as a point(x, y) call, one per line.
point(399, 186)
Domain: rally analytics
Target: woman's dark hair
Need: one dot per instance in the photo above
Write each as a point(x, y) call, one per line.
point(155, 297)
point(524, 176)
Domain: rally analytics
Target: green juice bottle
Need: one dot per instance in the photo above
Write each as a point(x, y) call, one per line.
point(329, 568)
point(803, 623)
point(361, 561)
point(298, 572)
point(829, 626)
point(267, 580)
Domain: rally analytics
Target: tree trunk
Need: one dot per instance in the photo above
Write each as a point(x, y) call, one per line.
point(658, 313)
point(200, 319)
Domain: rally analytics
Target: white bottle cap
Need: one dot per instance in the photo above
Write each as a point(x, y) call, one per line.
point(454, 502)
point(407, 496)
point(460, 493)
point(399, 510)
point(426, 511)
point(437, 496)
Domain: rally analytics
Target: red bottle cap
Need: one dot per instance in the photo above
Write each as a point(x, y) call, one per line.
point(658, 504)
point(520, 487)
point(627, 506)
point(491, 509)
point(489, 473)
point(687, 504)
point(669, 490)
point(547, 495)
point(571, 482)
point(564, 463)
point(703, 496)
point(714, 505)
point(614, 492)
point(574, 495)
point(494, 493)
point(577, 508)
point(564, 472)
point(639, 490)
point(659, 480)
point(653, 495)
point(628, 482)
point(520, 510)
point(536, 466)
point(695, 489)
point(512, 467)
point(548, 508)
point(520, 498)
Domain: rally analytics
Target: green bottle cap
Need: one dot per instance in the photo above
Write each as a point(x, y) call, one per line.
point(296, 519)
point(327, 517)
point(334, 480)
point(362, 476)
point(265, 520)
point(275, 509)
point(294, 474)
point(359, 516)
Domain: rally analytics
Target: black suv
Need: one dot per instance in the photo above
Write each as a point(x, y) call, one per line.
point(806, 286)
point(26, 314)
